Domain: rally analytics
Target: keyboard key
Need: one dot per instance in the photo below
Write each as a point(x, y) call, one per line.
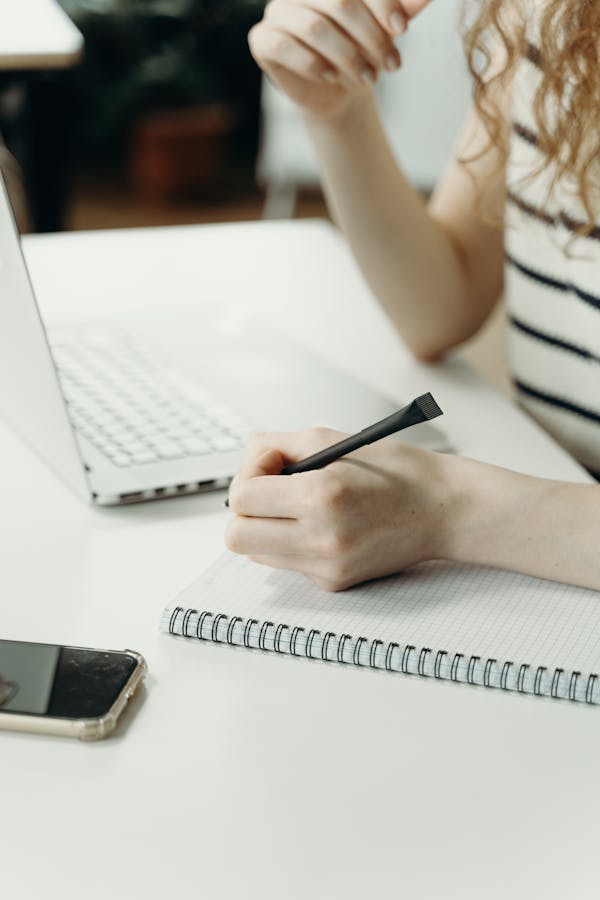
point(145, 456)
point(120, 460)
point(195, 446)
point(133, 409)
point(169, 451)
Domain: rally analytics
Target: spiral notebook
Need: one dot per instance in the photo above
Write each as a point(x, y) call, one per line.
point(440, 620)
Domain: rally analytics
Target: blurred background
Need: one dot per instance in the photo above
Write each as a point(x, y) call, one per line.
point(124, 113)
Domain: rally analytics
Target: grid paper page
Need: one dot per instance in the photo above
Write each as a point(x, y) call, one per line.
point(466, 610)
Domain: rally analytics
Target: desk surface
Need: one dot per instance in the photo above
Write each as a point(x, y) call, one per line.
point(241, 774)
point(37, 34)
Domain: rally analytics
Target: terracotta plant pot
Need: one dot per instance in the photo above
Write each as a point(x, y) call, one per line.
point(180, 150)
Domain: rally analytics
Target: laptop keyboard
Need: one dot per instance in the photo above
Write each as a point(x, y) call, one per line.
point(133, 409)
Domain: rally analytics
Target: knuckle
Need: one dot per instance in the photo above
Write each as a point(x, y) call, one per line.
point(319, 436)
point(338, 575)
point(315, 26)
point(382, 44)
point(333, 494)
point(315, 67)
point(334, 545)
point(278, 48)
point(344, 6)
point(354, 60)
point(253, 35)
point(328, 546)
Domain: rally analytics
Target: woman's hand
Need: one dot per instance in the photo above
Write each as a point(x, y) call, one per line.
point(325, 53)
point(372, 513)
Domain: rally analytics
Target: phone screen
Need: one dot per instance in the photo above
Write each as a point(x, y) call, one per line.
point(61, 682)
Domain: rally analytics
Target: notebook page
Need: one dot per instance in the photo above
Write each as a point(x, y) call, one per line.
point(466, 609)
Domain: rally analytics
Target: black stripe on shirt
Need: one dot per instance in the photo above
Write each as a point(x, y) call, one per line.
point(579, 227)
point(563, 286)
point(533, 211)
point(536, 276)
point(553, 341)
point(557, 402)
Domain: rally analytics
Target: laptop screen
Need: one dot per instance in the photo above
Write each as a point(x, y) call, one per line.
point(31, 402)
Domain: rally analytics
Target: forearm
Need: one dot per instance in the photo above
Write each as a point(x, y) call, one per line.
point(412, 264)
point(541, 527)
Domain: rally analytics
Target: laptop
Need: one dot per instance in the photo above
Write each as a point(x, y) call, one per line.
point(121, 420)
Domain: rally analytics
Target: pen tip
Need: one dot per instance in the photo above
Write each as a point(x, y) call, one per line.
point(428, 406)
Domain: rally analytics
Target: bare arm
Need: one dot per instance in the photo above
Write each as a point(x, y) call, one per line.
point(437, 272)
point(534, 525)
point(389, 505)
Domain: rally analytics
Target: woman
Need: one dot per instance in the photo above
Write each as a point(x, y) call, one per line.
point(524, 184)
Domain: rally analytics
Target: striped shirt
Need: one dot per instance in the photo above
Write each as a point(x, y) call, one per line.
point(552, 289)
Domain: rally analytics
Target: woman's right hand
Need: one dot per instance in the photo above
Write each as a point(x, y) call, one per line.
point(326, 53)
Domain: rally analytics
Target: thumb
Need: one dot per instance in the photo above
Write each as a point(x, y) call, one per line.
point(271, 462)
point(289, 445)
point(268, 462)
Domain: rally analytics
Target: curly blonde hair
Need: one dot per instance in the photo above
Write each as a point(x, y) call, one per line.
point(566, 105)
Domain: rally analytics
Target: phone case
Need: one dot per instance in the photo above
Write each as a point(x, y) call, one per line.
point(84, 729)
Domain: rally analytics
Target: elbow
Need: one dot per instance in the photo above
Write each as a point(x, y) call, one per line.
point(429, 352)
point(433, 348)
point(430, 355)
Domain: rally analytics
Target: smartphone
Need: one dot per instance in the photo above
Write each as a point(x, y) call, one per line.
point(71, 691)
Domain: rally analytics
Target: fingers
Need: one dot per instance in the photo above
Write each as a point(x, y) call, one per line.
point(292, 445)
point(321, 39)
point(371, 35)
point(271, 496)
point(264, 461)
point(326, 39)
point(391, 15)
point(350, 41)
point(275, 49)
point(249, 535)
point(258, 489)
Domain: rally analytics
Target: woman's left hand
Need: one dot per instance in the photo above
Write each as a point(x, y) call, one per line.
point(372, 513)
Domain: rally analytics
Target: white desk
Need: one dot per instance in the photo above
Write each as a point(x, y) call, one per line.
point(247, 775)
point(37, 34)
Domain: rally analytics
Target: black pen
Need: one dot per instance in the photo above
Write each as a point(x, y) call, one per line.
point(422, 409)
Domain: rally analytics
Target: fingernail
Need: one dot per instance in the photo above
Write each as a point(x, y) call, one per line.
point(398, 23)
point(367, 77)
point(392, 62)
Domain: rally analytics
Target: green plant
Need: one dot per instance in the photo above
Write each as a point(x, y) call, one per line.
point(143, 55)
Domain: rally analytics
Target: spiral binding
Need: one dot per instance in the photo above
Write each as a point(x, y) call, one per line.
point(295, 640)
